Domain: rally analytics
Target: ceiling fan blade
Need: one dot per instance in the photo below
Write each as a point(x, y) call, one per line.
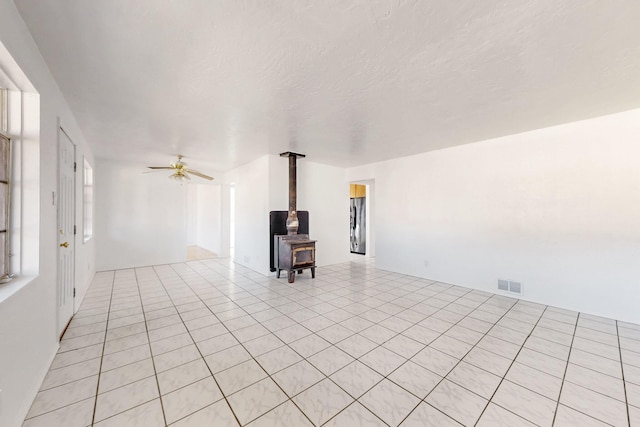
point(200, 174)
point(161, 167)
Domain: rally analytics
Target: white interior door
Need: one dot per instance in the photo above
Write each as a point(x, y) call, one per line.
point(66, 229)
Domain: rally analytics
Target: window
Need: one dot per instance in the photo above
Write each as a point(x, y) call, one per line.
point(5, 207)
point(5, 189)
point(20, 196)
point(88, 200)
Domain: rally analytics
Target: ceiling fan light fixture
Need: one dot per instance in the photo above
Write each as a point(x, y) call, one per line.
point(178, 176)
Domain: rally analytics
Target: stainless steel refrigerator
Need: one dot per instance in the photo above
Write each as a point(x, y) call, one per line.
point(358, 225)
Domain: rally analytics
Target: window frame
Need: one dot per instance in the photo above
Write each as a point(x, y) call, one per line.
point(5, 274)
point(87, 205)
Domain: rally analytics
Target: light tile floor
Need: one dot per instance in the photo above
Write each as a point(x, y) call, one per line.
point(209, 343)
point(196, 253)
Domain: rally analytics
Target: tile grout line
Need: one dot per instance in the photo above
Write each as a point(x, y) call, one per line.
point(64, 384)
point(504, 376)
point(104, 344)
point(252, 357)
point(249, 286)
point(406, 308)
point(153, 363)
point(334, 344)
point(331, 344)
point(407, 359)
point(70, 365)
point(80, 336)
point(590, 389)
point(449, 286)
point(303, 358)
point(566, 368)
point(389, 316)
point(489, 400)
point(624, 383)
point(224, 396)
point(425, 346)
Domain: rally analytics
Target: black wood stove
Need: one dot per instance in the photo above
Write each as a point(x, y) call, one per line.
point(293, 252)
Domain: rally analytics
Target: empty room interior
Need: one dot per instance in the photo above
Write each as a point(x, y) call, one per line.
point(319, 213)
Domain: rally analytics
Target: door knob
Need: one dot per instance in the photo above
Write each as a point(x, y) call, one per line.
point(65, 244)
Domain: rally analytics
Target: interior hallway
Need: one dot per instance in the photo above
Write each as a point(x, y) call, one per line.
point(212, 343)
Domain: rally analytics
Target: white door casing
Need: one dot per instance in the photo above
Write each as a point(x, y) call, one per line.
point(66, 229)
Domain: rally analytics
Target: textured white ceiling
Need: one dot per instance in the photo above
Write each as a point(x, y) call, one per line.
point(346, 82)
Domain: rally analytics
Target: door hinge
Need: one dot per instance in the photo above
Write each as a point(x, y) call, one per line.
point(74, 230)
point(75, 166)
point(74, 292)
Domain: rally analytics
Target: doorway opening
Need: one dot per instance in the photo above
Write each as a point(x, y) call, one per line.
point(204, 223)
point(361, 230)
point(358, 220)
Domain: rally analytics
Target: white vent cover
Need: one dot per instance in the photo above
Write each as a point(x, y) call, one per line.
point(515, 287)
point(510, 286)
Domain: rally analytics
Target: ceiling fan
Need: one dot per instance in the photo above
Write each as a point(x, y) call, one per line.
point(181, 171)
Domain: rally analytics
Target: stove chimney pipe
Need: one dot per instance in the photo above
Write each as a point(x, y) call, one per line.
point(292, 218)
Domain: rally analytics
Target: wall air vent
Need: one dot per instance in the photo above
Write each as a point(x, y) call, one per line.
point(510, 286)
point(515, 287)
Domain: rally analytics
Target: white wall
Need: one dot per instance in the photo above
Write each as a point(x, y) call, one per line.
point(192, 214)
point(324, 192)
point(209, 225)
point(140, 218)
point(279, 183)
point(225, 220)
point(251, 213)
point(556, 209)
point(28, 308)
